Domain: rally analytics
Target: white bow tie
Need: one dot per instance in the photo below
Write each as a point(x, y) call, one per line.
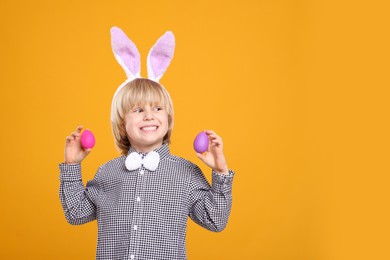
point(150, 161)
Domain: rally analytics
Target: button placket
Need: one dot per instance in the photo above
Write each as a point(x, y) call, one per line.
point(137, 213)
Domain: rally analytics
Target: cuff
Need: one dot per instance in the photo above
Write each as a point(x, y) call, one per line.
point(222, 183)
point(70, 172)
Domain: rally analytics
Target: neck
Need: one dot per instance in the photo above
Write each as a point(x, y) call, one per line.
point(146, 149)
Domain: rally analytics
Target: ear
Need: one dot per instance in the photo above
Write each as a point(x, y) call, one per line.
point(125, 52)
point(160, 56)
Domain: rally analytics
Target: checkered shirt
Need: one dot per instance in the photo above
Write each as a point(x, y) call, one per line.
point(143, 214)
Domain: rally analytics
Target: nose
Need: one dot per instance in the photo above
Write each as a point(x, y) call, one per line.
point(148, 115)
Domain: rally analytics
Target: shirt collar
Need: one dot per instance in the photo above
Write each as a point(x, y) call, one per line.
point(163, 151)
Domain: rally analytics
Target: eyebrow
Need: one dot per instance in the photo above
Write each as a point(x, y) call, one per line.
point(150, 104)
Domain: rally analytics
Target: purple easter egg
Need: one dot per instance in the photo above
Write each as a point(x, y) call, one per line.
point(201, 142)
point(87, 139)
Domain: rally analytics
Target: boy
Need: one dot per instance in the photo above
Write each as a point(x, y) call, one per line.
point(142, 199)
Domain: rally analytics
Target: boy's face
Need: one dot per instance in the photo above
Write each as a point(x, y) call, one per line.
point(146, 127)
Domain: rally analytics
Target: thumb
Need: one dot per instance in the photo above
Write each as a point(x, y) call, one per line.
point(87, 151)
point(201, 156)
point(204, 157)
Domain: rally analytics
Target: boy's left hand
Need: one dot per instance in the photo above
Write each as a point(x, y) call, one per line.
point(214, 157)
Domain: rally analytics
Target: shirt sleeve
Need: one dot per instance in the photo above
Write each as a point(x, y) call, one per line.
point(210, 205)
point(78, 202)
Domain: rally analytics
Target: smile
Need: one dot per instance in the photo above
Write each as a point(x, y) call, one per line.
point(149, 128)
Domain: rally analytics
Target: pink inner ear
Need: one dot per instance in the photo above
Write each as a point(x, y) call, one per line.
point(161, 54)
point(126, 51)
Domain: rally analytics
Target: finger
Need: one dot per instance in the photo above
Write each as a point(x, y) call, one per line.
point(201, 156)
point(216, 144)
point(76, 134)
point(69, 138)
point(212, 134)
point(79, 128)
point(215, 139)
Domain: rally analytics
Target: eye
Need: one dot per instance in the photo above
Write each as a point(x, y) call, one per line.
point(137, 110)
point(158, 108)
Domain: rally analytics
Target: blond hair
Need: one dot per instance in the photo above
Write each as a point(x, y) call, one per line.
point(138, 92)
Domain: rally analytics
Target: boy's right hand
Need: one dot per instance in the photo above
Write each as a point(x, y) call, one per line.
point(74, 152)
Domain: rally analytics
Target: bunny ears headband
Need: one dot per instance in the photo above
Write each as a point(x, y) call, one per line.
point(127, 55)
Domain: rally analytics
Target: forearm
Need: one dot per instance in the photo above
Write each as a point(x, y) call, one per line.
point(212, 208)
point(75, 199)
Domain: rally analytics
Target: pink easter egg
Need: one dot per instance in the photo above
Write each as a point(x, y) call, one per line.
point(87, 139)
point(201, 142)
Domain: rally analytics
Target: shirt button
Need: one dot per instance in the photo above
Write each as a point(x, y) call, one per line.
point(135, 227)
point(142, 172)
point(138, 199)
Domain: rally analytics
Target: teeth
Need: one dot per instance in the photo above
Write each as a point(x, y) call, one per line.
point(149, 128)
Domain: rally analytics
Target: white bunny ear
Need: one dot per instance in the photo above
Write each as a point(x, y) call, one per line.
point(126, 53)
point(160, 56)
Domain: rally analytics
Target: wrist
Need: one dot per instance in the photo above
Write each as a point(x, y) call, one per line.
point(70, 162)
point(224, 171)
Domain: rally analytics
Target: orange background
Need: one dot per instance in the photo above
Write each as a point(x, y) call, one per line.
point(299, 91)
